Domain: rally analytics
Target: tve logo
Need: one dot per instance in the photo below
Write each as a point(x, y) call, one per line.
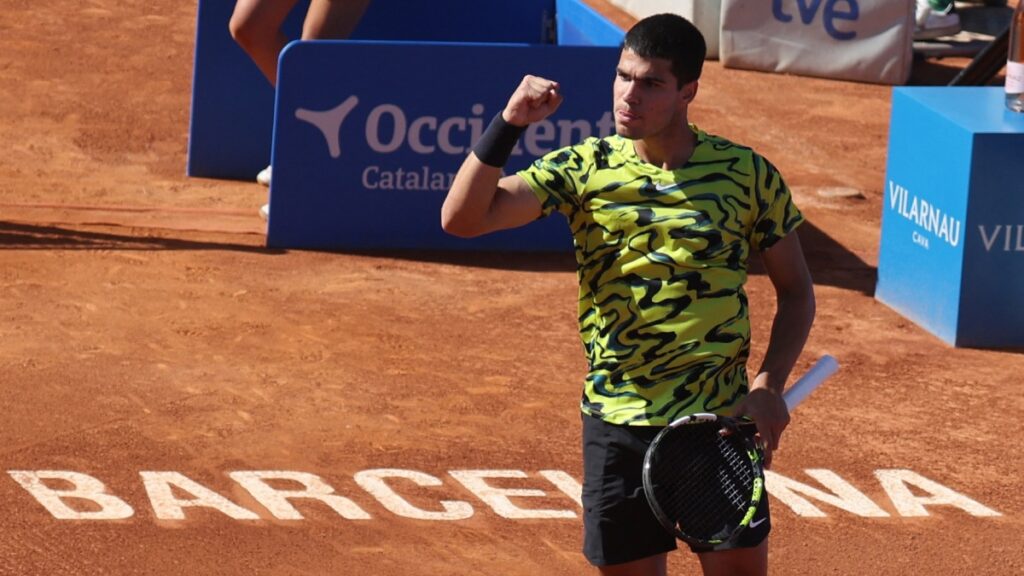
point(832, 11)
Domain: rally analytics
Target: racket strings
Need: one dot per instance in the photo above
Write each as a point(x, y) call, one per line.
point(703, 481)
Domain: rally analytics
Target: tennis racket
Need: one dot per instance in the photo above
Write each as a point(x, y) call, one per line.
point(703, 474)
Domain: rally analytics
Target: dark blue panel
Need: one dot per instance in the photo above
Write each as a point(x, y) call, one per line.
point(991, 311)
point(404, 121)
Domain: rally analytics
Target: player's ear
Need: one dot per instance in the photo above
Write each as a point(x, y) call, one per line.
point(689, 91)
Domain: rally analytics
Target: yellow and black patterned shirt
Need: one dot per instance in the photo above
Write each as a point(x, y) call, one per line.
point(662, 260)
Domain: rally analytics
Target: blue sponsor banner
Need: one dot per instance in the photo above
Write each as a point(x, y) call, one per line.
point(364, 154)
point(232, 106)
point(580, 25)
point(952, 252)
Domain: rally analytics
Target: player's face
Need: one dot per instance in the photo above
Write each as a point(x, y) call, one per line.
point(647, 97)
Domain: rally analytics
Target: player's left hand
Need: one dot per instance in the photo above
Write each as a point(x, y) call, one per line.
point(767, 409)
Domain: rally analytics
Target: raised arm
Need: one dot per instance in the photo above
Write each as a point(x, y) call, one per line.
point(480, 199)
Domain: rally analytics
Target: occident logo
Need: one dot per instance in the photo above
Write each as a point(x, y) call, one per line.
point(389, 129)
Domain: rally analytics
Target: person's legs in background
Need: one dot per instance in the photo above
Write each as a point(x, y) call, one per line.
point(256, 27)
point(332, 19)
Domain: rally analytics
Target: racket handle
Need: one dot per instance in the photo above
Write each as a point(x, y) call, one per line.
point(800, 389)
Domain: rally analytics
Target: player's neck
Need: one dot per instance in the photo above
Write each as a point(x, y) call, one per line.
point(669, 149)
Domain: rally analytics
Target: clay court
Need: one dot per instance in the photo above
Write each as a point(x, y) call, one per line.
point(152, 343)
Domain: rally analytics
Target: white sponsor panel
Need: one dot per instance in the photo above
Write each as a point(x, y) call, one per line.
point(861, 40)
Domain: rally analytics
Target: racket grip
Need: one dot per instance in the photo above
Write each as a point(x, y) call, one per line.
point(822, 369)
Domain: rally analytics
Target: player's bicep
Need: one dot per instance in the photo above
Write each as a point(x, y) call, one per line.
point(784, 261)
point(514, 204)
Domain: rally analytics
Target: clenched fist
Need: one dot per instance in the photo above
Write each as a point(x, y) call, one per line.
point(535, 99)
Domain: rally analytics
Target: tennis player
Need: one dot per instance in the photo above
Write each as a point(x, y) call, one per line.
point(664, 217)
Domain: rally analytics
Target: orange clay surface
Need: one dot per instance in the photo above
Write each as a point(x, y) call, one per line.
point(150, 342)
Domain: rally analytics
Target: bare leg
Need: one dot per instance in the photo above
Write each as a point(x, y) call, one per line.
point(650, 566)
point(332, 19)
point(738, 562)
point(256, 27)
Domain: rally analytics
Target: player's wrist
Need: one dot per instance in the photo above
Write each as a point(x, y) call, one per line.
point(767, 380)
point(497, 142)
point(511, 119)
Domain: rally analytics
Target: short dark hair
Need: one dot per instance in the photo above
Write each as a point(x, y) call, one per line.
point(670, 37)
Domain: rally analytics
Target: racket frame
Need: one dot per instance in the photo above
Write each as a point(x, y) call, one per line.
point(753, 451)
point(822, 369)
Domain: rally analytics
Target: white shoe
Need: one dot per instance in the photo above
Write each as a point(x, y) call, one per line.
point(933, 24)
point(265, 211)
point(264, 176)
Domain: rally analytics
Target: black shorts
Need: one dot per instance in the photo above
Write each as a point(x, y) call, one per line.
point(617, 521)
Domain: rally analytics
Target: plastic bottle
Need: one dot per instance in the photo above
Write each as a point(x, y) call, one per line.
point(1015, 62)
